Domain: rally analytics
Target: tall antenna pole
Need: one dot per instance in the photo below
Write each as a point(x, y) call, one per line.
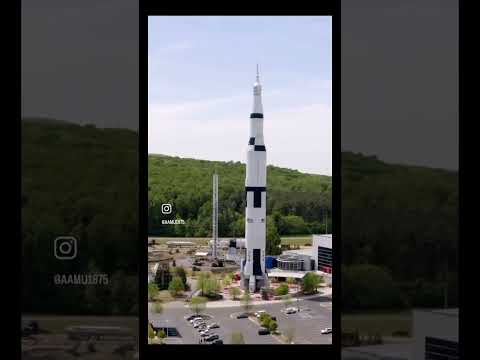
point(215, 215)
point(326, 223)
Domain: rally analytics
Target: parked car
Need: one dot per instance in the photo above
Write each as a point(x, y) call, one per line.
point(326, 331)
point(29, 328)
point(198, 324)
point(191, 317)
point(259, 313)
point(242, 316)
point(290, 310)
point(263, 331)
point(217, 342)
point(206, 334)
point(213, 326)
point(212, 337)
point(195, 319)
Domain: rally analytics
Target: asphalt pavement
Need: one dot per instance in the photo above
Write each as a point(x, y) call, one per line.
point(315, 314)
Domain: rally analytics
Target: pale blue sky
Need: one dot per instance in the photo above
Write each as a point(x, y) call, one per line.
point(201, 73)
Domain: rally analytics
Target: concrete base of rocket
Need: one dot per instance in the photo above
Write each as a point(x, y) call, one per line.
point(253, 283)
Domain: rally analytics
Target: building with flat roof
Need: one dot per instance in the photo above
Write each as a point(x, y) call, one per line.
point(322, 252)
point(435, 337)
point(435, 334)
point(278, 273)
point(295, 260)
point(401, 351)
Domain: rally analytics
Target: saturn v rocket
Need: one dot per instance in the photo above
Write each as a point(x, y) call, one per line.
point(253, 275)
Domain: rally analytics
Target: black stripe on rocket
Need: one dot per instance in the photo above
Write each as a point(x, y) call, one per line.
point(256, 147)
point(257, 195)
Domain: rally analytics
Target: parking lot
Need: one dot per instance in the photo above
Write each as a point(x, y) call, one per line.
point(314, 315)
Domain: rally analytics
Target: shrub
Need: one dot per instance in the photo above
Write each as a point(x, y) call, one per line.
point(282, 289)
point(311, 282)
point(176, 286)
point(151, 332)
point(272, 325)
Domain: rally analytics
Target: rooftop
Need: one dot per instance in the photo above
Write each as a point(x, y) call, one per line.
point(201, 253)
point(401, 351)
point(322, 240)
point(304, 251)
point(446, 312)
point(285, 273)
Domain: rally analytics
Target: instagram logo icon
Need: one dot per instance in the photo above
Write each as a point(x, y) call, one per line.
point(65, 247)
point(166, 209)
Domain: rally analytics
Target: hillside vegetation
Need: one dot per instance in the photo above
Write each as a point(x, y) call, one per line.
point(399, 226)
point(80, 181)
point(399, 229)
point(299, 203)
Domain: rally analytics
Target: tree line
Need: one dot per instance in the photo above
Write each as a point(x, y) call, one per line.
point(297, 203)
point(399, 231)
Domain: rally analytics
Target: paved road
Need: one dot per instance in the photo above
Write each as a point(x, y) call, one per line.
point(315, 315)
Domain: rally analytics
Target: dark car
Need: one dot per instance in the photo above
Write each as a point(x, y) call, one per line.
point(242, 316)
point(212, 338)
point(274, 318)
point(263, 331)
point(191, 317)
point(217, 342)
point(30, 328)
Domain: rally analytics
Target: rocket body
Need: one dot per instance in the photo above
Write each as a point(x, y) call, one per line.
point(253, 266)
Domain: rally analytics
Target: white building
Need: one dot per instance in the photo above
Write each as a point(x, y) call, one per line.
point(435, 337)
point(435, 334)
point(322, 252)
point(296, 260)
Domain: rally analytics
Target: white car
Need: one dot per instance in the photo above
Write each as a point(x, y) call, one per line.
point(291, 310)
point(196, 325)
point(326, 331)
point(259, 313)
point(213, 326)
point(195, 319)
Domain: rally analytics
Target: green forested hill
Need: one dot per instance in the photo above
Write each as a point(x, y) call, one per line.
point(404, 221)
point(81, 181)
point(299, 202)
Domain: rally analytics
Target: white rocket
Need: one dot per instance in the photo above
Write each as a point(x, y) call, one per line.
point(253, 266)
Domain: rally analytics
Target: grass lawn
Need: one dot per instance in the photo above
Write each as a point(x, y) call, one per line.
point(163, 240)
point(384, 323)
point(287, 239)
point(164, 296)
point(297, 240)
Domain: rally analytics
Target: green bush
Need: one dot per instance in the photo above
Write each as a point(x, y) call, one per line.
point(272, 325)
point(152, 291)
point(264, 319)
point(311, 282)
point(151, 332)
point(369, 287)
point(282, 289)
point(176, 286)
